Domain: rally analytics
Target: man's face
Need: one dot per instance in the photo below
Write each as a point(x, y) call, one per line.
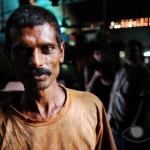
point(132, 53)
point(35, 56)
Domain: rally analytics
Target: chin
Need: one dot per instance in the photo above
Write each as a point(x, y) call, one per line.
point(41, 87)
point(37, 86)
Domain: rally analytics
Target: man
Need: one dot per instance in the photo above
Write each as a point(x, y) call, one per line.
point(129, 101)
point(46, 115)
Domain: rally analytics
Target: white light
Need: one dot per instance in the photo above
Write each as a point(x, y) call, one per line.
point(112, 23)
point(110, 27)
point(147, 53)
point(130, 24)
point(117, 26)
point(121, 54)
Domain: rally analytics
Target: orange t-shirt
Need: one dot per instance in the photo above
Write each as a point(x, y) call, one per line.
point(80, 125)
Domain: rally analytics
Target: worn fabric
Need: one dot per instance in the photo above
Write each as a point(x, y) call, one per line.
point(80, 125)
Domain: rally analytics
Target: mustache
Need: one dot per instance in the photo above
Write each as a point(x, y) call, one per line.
point(38, 72)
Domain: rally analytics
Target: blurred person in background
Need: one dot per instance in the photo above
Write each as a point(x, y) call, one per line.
point(99, 74)
point(129, 101)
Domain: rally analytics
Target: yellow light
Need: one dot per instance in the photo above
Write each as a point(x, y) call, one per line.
point(129, 23)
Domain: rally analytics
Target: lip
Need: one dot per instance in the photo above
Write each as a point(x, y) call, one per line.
point(40, 78)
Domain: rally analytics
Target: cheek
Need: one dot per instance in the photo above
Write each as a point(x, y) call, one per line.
point(54, 66)
point(19, 67)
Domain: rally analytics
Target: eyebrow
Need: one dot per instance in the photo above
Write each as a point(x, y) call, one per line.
point(20, 45)
point(48, 44)
point(40, 44)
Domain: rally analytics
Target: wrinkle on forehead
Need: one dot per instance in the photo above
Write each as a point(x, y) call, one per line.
point(46, 32)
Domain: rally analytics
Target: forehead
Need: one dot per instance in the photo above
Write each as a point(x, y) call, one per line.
point(132, 47)
point(44, 32)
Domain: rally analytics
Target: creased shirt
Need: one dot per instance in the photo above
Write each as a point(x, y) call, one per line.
point(80, 125)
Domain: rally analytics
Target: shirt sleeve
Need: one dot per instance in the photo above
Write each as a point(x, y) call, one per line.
point(105, 140)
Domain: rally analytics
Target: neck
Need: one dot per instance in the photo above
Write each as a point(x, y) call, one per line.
point(43, 104)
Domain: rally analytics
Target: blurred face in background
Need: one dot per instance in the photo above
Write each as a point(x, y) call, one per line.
point(97, 55)
point(132, 53)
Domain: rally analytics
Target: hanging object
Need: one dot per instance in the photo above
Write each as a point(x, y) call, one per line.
point(54, 2)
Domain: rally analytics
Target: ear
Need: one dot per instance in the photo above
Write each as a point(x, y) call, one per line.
point(62, 51)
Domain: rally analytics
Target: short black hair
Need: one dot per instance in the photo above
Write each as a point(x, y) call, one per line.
point(137, 45)
point(134, 43)
point(30, 16)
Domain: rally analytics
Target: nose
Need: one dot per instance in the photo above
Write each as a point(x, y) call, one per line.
point(36, 59)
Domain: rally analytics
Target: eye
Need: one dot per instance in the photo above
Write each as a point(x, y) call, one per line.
point(22, 51)
point(47, 49)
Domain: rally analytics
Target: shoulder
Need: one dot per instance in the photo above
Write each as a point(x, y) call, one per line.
point(142, 66)
point(143, 72)
point(85, 99)
point(4, 104)
point(6, 98)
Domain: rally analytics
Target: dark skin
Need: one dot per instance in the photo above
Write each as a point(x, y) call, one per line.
point(31, 49)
